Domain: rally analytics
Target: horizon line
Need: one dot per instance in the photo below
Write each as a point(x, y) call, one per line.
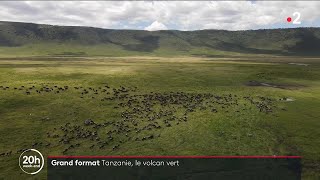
point(307, 27)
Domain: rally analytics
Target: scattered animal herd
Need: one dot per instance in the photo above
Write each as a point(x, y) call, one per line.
point(143, 115)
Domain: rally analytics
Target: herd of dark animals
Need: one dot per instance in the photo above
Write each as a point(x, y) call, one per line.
point(142, 117)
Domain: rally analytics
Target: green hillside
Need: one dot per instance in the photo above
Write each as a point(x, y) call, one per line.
point(19, 39)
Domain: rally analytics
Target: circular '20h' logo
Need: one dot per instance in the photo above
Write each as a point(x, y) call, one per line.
point(31, 161)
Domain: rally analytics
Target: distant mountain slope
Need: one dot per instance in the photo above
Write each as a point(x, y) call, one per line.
point(38, 39)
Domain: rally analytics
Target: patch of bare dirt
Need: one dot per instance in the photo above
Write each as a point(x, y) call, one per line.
point(274, 85)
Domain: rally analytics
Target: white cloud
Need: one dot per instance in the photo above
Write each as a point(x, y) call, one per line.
point(189, 15)
point(156, 26)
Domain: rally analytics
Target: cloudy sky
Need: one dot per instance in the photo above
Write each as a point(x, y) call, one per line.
point(161, 15)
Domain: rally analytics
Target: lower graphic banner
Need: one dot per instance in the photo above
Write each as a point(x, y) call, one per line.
point(174, 167)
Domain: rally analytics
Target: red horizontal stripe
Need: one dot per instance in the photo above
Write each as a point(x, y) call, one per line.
point(176, 157)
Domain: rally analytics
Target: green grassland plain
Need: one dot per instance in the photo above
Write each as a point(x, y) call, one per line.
point(291, 129)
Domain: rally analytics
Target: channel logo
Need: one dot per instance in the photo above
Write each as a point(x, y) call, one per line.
point(31, 161)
